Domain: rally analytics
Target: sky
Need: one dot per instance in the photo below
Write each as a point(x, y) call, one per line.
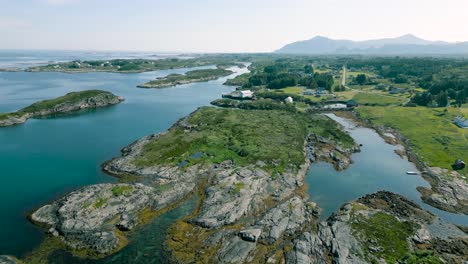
point(220, 25)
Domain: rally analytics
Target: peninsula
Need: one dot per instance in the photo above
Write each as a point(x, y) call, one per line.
point(70, 102)
point(189, 77)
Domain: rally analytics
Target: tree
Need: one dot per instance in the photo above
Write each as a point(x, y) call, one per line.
point(442, 99)
point(460, 98)
point(361, 79)
point(308, 69)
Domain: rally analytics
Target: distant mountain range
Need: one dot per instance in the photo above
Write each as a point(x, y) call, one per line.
point(407, 44)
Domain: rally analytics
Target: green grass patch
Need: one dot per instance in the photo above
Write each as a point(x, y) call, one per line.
point(243, 136)
point(431, 132)
point(237, 188)
point(121, 190)
point(384, 233)
point(100, 202)
point(239, 80)
point(293, 90)
point(376, 99)
point(70, 98)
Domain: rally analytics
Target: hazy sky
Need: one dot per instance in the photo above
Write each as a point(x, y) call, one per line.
point(220, 25)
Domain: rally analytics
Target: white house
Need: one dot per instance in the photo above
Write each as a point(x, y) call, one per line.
point(289, 100)
point(461, 122)
point(246, 94)
point(335, 106)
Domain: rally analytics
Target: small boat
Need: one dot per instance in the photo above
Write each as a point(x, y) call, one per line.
point(412, 173)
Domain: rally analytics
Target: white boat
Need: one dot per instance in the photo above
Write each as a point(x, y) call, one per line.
point(412, 173)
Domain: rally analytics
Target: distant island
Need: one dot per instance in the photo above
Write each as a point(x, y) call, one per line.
point(70, 102)
point(407, 44)
point(189, 77)
point(136, 65)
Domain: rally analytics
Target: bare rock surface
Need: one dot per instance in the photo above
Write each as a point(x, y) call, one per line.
point(89, 217)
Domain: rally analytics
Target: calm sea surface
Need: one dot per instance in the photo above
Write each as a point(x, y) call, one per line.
point(45, 158)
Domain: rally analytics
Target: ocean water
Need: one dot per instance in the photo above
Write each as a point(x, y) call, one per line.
point(46, 158)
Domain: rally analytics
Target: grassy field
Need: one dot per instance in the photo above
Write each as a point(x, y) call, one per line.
point(431, 132)
point(239, 80)
point(293, 90)
point(243, 136)
point(363, 98)
point(69, 98)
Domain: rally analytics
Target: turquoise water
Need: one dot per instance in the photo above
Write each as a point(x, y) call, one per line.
point(377, 167)
point(45, 158)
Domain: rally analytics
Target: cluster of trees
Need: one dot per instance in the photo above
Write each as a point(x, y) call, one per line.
point(284, 74)
point(443, 79)
point(361, 79)
point(261, 104)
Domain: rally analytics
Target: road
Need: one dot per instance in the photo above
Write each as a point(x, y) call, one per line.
point(343, 80)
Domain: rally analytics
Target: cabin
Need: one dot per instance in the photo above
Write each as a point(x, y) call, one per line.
point(289, 100)
point(395, 90)
point(308, 92)
point(458, 165)
point(461, 122)
point(335, 106)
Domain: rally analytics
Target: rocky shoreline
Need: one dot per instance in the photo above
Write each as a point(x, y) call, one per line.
point(100, 99)
point(246, 213)
point(448, 195)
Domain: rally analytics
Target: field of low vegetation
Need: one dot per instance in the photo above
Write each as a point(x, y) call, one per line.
point(431, 132)
point(243, 136)
point(372, 99)
point(69, 98)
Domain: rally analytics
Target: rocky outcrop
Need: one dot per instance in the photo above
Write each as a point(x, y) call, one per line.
point(323, 149)
point(88, 218)
point(9, 260)
point(449, 194)
point(362, 232)
point(66, 104)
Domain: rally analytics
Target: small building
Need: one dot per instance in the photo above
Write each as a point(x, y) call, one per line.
point(394, 90)
point(246, 94)
point(308, 92)
point(335, 106)
point(458, 165)
point(461, 122)
point(381, 86)
point(289, 100)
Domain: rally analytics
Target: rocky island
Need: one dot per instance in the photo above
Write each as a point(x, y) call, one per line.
point(253, 207)
point(71, 102)
point(189, 77)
